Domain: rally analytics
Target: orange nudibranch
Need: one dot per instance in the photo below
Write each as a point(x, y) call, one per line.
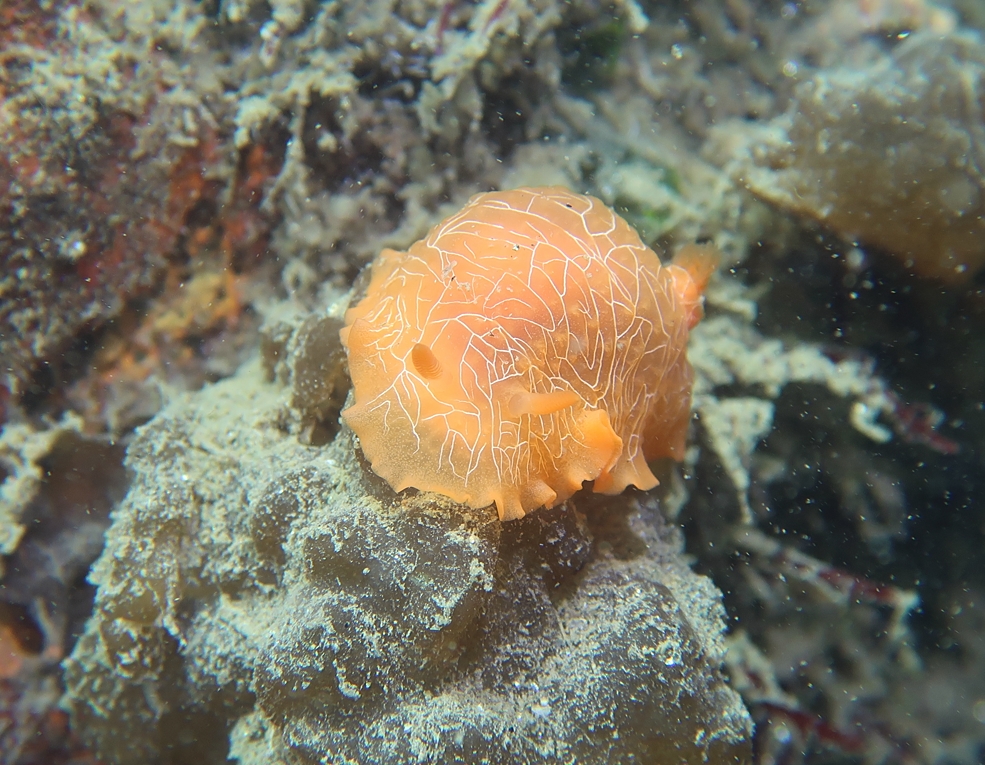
point(530, 343)
point(699, 262)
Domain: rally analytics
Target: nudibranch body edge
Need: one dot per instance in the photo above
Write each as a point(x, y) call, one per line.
point(530, 343)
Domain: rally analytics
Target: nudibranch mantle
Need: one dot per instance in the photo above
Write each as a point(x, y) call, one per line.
point(531, 342)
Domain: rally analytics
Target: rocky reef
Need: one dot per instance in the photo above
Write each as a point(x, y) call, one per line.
point(891, 154)
point(263, 595)
point(181, 172)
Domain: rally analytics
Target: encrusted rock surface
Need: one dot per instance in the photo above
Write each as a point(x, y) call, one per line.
point(892, 154)
point(275, 602)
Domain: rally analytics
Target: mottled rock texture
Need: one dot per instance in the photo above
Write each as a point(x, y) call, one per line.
point(892, 154)
point(276, 602)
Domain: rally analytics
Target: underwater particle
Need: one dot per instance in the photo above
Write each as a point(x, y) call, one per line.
point(529, 343)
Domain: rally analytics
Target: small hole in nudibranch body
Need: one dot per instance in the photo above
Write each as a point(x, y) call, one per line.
point(425, 362)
